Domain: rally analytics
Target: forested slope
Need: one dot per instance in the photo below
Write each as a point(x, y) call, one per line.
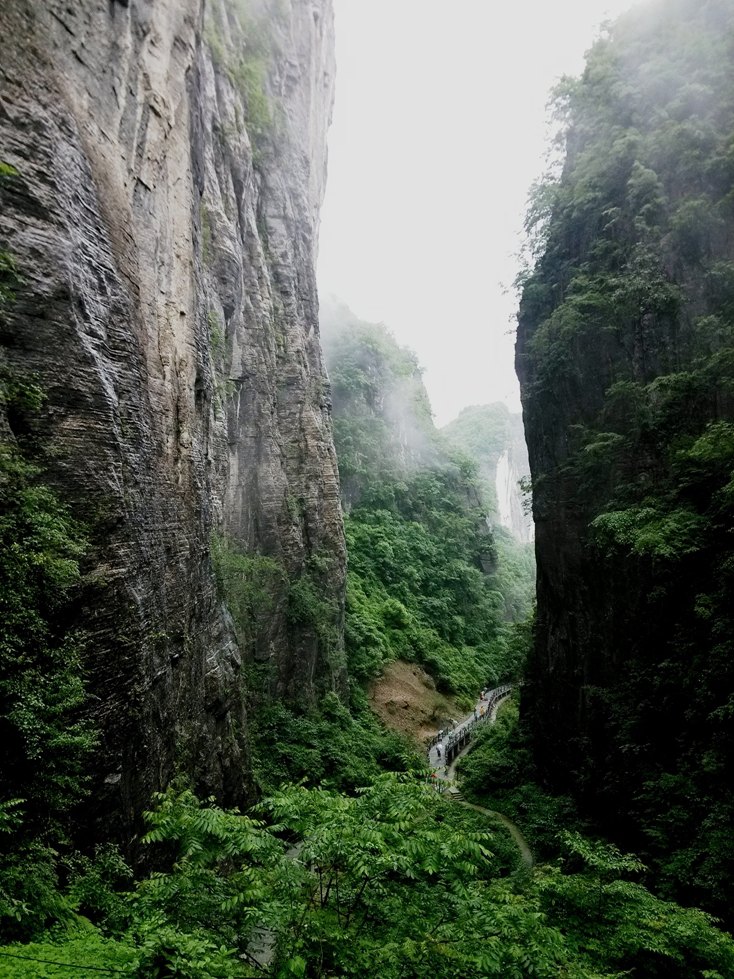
point(494, 436)
point(424, 580)
point(172, 556)
point(625, 354)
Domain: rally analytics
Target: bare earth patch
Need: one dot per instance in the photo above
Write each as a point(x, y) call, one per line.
point(406, 700)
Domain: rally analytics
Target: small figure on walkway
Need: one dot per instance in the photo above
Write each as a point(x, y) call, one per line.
point(475, 713)
point(438, 751)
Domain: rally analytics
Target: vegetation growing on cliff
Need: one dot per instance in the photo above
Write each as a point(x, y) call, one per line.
point(45, 741)
point(8, 271)
point(622, 924)
point(362, 873)
point(245, 63)
point(625, 352)
point(486, 433)
point(424, 582)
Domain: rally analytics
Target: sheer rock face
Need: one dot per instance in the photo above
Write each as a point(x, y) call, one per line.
point(512, 466)
point(164, 225)
point(624, 358)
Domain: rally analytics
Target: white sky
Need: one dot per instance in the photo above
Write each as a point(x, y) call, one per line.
point(439, 129)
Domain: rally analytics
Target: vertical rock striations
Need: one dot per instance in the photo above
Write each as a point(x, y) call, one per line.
point(163, 224)
point(624, 353)
point(264, 95)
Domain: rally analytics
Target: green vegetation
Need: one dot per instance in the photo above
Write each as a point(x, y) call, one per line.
point(224, 387)
point(485, 433)
point(499, 773)
point(319, 744)
point(423, 582)
point(626, 350)
point(330, 746)
point(307, 603)
point(359, 872)
point(251, 585)
point(249, 76)
point(216, 335)
point(382, 417)
point(363, 869)
point(416, 589)
point(255, 587)
point(245, 60)
point(205, 222)
point(44, 739)
point(9, 278)
point(515, 575)
point(593, 888)
point(392, 882)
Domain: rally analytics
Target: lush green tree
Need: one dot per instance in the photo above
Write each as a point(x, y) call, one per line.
point(619, 924)
point(500, 774)
point(330, 745)
point(392, 881)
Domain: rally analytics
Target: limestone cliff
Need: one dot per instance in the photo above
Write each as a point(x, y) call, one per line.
point(494, 436)
point(163, 222)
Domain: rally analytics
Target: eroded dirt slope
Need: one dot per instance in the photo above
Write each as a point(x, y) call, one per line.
point(406, 700)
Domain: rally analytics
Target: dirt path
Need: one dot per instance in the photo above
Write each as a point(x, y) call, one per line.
point(526, 853)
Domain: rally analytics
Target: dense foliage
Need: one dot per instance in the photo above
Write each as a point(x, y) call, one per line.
point(500, 773)
point(328, 745)
point(44, 739)
point(424, 580)
point(626, 354)
point(390, 882)
point(630, 928)
point(626, 351)
point(484, 432)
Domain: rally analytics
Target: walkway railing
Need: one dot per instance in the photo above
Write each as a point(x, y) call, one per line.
point(457, 739)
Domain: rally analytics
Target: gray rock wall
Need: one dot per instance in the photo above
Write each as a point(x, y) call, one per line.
point(171, 166)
